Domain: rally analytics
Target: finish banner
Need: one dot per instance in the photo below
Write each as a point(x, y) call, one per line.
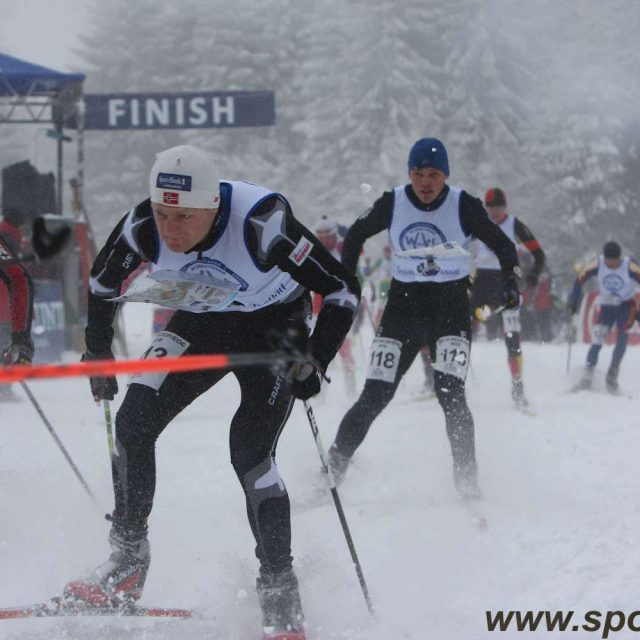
point(183, 110)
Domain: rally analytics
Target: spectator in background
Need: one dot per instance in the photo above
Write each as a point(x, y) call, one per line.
point(618, 277)
point(537, 308)
point(487, 285)
point(16, 299)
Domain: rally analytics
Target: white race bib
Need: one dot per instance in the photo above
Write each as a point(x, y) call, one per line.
point(511, 320)
point(452, 356)
point(600, 333)
point(385, 358)
point(163, 345)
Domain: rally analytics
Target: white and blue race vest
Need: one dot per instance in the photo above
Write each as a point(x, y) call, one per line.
point(413, 228)
point(615, 285)
point(224, 277)
point(484, 257)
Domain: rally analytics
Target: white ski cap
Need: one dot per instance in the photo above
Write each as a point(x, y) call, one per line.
point(327, 224)
point(185, 176)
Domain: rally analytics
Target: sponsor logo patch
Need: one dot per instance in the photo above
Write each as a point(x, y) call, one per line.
point(301, 251)
point(173, 181)
point(170, 197)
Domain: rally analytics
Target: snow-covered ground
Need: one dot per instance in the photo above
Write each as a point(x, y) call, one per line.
point(560, 498)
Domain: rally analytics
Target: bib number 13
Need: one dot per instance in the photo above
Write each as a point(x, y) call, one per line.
point(385, 358)
point(452, 356)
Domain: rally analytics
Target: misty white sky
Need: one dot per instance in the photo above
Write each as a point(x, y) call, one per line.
point(42, 31)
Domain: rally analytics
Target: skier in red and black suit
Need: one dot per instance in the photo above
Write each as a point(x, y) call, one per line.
point(238, 267)
point(16, 285)
point(428, 303)
point(487, 283)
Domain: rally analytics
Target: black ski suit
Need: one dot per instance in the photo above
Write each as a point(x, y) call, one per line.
point(269, 241)
point(418, 314)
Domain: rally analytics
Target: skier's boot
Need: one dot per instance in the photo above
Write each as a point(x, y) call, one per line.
point(338, 463)
point(517, 393)
point(586, 381)
point(612, 381)
point(120, 580)
point(282, 617)
point(465, 478)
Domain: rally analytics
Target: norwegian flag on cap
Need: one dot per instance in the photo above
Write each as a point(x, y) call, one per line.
point(171, 198)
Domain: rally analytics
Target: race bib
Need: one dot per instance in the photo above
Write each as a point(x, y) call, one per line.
point(600, 333)
point(385, 358)
point(511, 320)
point(163, 345)
point(452, 356)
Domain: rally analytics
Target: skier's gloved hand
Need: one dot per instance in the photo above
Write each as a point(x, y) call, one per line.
point(510, 290)
point(102, 388)
point(305, 380)
point(572, 307)
point(20, 351)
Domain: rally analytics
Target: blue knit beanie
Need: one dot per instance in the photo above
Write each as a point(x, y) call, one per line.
point(429, 152)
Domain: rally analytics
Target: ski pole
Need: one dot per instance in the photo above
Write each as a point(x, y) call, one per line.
point(107, 421)
point(18, 372)
point(336, 499)
point(570, 337)
point(57, 440)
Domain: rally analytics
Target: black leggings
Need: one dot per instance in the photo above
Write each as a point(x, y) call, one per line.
point(265, 406)
point(418, 315)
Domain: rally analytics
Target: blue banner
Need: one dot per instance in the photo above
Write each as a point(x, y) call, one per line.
point(202, 110)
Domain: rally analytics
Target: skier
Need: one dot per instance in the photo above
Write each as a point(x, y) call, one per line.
point(243, 238)
point(618, 277)
point(487, 283)
point(428, 302)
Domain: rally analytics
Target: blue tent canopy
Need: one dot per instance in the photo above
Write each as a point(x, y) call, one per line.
point(18, 77)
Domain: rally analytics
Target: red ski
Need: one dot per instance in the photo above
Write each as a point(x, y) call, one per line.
point(58, 607)
point(284, 635)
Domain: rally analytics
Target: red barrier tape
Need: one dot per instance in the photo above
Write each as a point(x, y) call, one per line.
point(91, 368)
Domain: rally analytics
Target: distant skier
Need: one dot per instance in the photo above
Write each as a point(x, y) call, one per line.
point(618, 278)
point(487, 283)
point(428, 302)
point(327, 231)
point(207, 237)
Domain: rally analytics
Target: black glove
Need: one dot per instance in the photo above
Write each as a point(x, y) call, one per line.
point(511, 291)
point(20, 351)
point(304, 379)
point(532, 280)
point(102, 388)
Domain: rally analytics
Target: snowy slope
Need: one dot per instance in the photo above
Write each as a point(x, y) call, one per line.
point(559, 489)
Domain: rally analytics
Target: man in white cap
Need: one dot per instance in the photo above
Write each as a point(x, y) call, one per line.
point(238, 267)
point(427, 304)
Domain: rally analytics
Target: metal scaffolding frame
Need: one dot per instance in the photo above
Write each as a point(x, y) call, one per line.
point(31, 94)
